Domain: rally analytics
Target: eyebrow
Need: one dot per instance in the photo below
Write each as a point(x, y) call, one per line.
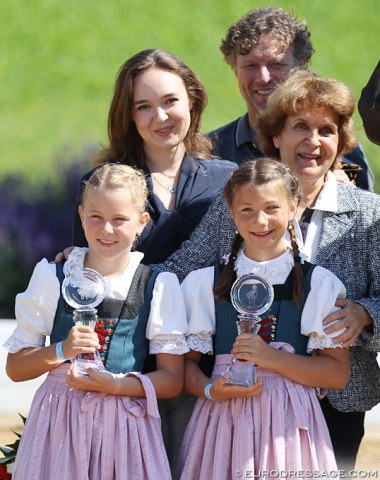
point(167, 95)
point(326, 124)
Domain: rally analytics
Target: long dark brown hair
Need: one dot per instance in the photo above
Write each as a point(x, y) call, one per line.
point(257, 173)
point(125, 143)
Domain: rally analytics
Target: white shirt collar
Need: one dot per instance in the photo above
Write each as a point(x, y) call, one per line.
point(327, 200)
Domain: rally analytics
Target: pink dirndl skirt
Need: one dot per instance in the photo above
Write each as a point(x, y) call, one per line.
point(71, 434)
point(283, 430)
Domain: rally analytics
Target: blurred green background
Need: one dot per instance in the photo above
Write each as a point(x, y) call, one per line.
point(59, 61)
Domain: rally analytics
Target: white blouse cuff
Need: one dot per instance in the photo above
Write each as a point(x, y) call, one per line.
point(319, 342)
point(173, 344)
point(200, 342)
point(16, 342)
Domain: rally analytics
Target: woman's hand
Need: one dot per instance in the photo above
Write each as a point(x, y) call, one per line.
point(63, 255)
point(342, 177)
point(351, 316)
point(252, 347)
point(95, 381)
point(222, 391)
point(81, 339)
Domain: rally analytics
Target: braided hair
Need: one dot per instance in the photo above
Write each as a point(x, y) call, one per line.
point(256, 173)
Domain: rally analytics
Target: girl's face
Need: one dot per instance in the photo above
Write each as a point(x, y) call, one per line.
point(261, 215)
point(111, 224)
point(308, 143)
point(161, 110)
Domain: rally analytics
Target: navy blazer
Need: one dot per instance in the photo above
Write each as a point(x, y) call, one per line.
point(349, 246)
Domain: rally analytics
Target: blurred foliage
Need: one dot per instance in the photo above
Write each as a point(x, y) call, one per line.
point(35, 222)
point(58, 62)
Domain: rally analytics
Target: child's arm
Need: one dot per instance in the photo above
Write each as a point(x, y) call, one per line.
point(196, 381)
point(30, 363)
point(35, 310)
point(167, 379)
point(328, 368)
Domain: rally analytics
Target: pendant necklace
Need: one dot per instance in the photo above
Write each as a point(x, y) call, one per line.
point(168, 188)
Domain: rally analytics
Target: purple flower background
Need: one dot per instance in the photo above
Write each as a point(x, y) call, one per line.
point(35, 222)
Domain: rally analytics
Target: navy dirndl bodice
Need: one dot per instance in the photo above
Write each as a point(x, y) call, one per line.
point(281, 323)
point(121, 324)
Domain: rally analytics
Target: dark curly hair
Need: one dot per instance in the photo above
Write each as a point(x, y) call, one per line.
point(245, 34)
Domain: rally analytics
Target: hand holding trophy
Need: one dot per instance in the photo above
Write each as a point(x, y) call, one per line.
point(83, 290)
point(251, 296)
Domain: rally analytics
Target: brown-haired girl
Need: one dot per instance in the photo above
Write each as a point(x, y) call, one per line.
point(277, 424)
point(154, 124)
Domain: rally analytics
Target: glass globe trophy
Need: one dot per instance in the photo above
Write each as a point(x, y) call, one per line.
point(251, 296)
point(83, 289)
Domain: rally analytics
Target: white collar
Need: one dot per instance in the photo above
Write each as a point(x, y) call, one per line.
point(269, 268)
point(327, 200)
point(76, 258)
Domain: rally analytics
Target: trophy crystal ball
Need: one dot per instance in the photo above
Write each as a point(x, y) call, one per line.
point(251, 296)
point(84, 289)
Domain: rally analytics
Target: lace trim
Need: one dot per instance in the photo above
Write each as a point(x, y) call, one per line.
point(13, 345)
point(75, 260)
point(320, 342)
point(200, 342)
point(174, 344)
point(281, 265)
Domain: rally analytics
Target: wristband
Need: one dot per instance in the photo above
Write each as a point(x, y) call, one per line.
point(207, 392)
point(59, 353)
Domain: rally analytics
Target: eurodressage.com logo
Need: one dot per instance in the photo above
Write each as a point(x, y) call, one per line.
point(306, 474)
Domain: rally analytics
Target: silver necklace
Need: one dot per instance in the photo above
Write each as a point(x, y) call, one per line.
point(166, 175)
point(168, 188)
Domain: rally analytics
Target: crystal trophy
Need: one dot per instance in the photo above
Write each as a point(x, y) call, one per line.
point(251, 296)
point(83, 290)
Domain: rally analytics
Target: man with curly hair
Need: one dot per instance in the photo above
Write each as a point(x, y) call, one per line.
point(261, 48)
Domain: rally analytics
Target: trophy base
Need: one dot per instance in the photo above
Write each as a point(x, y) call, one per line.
point(241, 373)
point(83, 364)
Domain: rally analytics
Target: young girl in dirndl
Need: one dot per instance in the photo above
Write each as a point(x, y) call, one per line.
point(104, 425)
point(275, 425)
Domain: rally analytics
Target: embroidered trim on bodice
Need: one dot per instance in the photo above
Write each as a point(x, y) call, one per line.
point(105, 328)
point(268, 325)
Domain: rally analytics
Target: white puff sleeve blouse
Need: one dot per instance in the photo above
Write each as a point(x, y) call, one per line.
point(36, 307)
point(325, 288)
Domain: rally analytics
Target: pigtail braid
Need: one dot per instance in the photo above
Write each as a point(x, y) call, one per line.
point(298, 278)
point(223, 287)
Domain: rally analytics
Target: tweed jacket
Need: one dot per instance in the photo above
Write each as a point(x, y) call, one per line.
point(349, 246)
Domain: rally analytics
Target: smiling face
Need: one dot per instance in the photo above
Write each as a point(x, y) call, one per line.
point(261, 70)
point(110, 223)
point(261, 215)
point(161, 110)
point(308, 144)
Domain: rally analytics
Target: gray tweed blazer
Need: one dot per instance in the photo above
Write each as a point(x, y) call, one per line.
point(349, 247)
